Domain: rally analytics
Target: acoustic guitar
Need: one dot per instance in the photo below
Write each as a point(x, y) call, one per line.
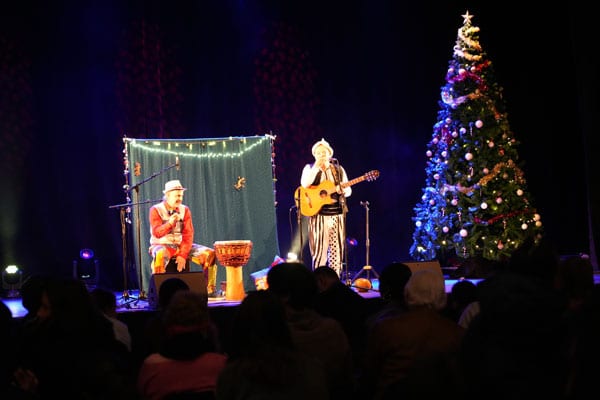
point(310, 200)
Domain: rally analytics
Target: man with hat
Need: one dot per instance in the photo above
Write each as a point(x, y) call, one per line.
point(172, 236)
point(327, 228)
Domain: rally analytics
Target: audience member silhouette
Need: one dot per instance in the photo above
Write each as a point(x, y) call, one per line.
point(263, 362)
point(575, 281)
point(313, 334)
point(187, 361)
point(468, 314)
point(73, 353)
point(514, 347)
point(106, 302)
point(31, 295)
point(392, 279)
point(463, 304)
point(463, 293)
point(476, 267)
point(575, 285)
point(154, 330)
point(31, 299)
point(416, 352)
point(338, 301)
point(8, 360)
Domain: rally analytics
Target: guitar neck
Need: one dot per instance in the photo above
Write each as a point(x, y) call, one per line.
point(352, 181)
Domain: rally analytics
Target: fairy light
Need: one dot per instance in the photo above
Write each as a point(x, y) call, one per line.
point(169, 147)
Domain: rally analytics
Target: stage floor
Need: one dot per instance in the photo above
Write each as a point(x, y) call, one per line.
point(130, 301)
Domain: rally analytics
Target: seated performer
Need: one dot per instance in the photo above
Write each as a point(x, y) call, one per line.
point(172, 236)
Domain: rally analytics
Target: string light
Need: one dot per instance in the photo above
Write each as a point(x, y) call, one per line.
point(167, 147)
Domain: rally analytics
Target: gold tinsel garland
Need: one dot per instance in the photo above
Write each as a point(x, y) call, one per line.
point(484, 181)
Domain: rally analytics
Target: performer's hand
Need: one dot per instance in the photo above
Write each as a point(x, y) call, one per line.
point(322, 163)
point(180, 263)
point(173, 219)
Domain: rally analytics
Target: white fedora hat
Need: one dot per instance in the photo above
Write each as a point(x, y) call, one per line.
point(173, 185)
point(323, 143)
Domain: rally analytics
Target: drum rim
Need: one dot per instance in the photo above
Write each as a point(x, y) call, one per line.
point(230, 242)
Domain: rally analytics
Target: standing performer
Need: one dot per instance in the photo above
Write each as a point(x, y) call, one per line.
point(327, 228)
point(172, 235)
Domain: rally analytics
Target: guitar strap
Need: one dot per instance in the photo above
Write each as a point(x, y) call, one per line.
point(336, 174)
point(337, 178)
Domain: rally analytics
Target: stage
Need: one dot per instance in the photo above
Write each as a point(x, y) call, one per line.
point(131, 303)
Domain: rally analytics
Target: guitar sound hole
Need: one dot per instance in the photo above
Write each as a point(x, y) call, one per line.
point(323, 193)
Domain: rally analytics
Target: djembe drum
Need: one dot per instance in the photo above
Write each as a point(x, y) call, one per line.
point(233, 255)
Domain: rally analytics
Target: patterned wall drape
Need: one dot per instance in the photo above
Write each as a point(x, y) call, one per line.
point(230, 192)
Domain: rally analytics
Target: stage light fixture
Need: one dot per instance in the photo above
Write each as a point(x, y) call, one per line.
point(12, 280)
point(352, 242)
point(87, 268)
point(86, 254)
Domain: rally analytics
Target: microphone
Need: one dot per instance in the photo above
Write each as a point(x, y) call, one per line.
point(364, 203)
point(177, 162)
point(333, 159)
point(175, 212)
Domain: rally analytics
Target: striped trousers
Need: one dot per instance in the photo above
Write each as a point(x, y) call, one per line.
point(326, 239)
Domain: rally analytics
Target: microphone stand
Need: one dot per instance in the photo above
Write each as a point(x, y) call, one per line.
point(299, 222)
point(123, 219)
point(136, 188)
point(342, 201)
point(123, 207)
point(344, 243)
point(368, 268)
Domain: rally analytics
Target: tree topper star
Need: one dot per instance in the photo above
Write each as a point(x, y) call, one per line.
point(467, 18)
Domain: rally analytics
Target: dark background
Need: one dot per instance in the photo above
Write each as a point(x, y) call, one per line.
point(379, 69)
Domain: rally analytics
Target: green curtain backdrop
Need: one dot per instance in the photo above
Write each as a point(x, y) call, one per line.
point(230, 192)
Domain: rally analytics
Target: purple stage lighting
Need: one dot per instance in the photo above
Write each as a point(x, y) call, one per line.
point(86, 254)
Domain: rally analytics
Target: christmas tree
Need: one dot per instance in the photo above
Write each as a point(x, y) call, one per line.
point(475, 202)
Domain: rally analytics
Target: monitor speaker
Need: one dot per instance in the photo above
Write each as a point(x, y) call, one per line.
point(195, 280)
point(420, 265)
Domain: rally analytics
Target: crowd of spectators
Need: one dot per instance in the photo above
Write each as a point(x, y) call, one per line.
point(528, 329)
